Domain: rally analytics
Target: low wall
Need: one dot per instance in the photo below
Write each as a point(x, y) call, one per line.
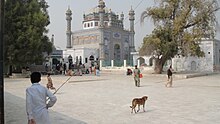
point(19, 75)
point(146, 69)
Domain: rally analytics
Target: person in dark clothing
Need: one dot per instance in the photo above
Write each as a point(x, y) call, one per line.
point(64, 68)
point(129, 71)
point(169, 76)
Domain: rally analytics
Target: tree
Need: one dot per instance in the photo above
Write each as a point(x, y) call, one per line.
point(179, 27)
point(25, 32)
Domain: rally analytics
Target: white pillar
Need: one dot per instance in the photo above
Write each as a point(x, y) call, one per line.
point(125, 63)
point(138, 63)
point(112, 63)
point(51, 63)
point(100, 64)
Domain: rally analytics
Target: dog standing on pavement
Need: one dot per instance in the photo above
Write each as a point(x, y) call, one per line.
point(139, 102)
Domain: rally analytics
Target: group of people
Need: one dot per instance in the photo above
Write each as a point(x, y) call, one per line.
point(137, 75)
point(40, 98)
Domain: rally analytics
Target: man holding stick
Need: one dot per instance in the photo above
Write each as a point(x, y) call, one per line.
point(36, 101)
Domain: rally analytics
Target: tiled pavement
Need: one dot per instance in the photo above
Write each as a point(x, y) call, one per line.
point(106, 99)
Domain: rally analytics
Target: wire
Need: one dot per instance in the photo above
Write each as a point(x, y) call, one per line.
point(137, 21)
point(136, 7)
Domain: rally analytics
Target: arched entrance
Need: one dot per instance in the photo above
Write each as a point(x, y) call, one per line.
point(193, 66)
point(151, 61)
point(117, 55)
point(70, 59)
point(117, 52)
point(91, 58)
point(142, 60)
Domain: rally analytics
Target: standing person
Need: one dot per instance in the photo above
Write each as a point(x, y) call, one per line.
point(169, 76)
point(97, 70)
point(36, 101)
point(46, 68)
point(50, 83)
point(64, 68)
point(137, 72)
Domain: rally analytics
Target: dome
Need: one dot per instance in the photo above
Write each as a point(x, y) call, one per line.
point(68, 11)
point(96, 10)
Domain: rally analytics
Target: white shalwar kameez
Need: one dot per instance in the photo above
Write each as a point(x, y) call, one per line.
point(36, 103)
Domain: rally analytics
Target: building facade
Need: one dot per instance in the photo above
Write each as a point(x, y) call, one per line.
point(102, 37)
point(209, 63)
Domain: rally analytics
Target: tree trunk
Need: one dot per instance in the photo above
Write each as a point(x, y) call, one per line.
point(9, 70)
point(158, 66)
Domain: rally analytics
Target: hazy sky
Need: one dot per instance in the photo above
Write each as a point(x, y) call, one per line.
point(58, 23)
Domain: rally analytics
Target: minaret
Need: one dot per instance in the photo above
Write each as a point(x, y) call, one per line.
point(122, 19)
point(110, 17)
point(101, 26)
point(52, 41)
point(68, 31)
point(131, 19)
point(101, 12)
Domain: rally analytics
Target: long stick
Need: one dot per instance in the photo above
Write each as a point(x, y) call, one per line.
point(62, 84)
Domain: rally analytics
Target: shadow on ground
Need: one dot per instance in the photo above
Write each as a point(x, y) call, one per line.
point(15, 112)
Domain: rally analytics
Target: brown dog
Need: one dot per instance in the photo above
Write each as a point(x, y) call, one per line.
point(138, 101)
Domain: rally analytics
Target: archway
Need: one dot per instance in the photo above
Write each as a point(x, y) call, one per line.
point(193, 66)
point(151, 61)
point(91, 58)
point(70, 59)
point(117, 52)
point(142, 60)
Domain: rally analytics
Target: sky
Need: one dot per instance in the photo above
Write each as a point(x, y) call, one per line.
point(58, 24)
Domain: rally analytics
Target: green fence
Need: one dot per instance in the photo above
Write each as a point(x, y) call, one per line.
point(117, 63)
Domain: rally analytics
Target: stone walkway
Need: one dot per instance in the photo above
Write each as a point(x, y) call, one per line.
point(106, 99)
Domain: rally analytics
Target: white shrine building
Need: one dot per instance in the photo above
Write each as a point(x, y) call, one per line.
point(103, 37)
point(209, 63)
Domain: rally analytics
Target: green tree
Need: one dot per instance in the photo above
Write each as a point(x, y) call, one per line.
point(179, 27)
point(25, 32)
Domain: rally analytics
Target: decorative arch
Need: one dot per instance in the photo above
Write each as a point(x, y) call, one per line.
point(117, 52)
point(142, 60)
point(70, 59)
point(193, 66)
point(91, 58)
point(151, 61)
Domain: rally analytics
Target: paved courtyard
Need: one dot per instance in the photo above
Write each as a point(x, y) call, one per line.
point(106, 99)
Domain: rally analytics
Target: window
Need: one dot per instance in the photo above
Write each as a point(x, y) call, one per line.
point(91, 24)
point(96, 23)
point(84, 25)
point(88, 25)
point(86, 60)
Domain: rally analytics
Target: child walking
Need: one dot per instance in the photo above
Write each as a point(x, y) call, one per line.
point(50, 84)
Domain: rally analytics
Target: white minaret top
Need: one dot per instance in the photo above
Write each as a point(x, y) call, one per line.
point(68, 31)
point(131, 18)
point(101, 12)
point(52, 39)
